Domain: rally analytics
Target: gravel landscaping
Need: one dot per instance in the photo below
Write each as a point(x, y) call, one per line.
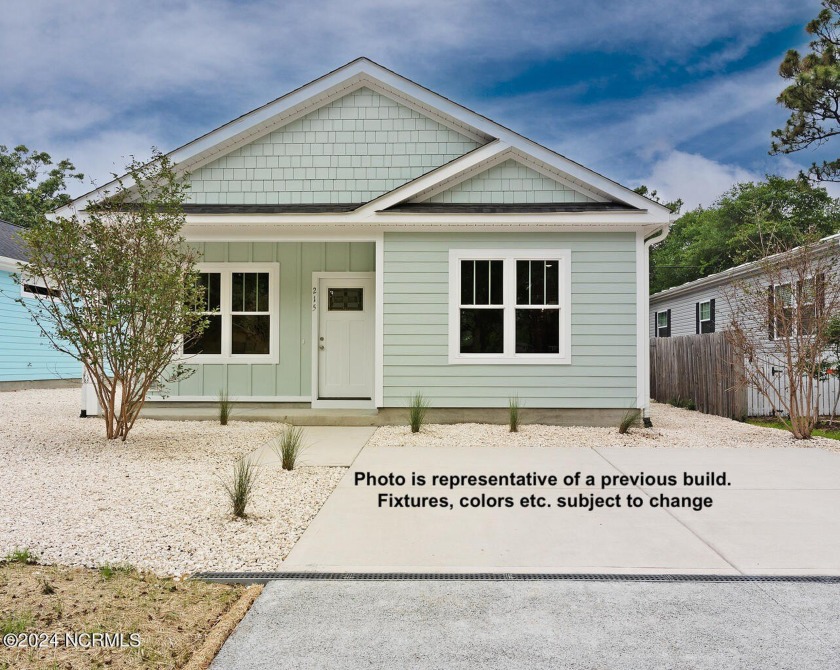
point(155, 502)
point(672, 427)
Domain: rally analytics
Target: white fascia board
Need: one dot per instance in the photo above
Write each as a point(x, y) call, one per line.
point(10, 264)
point(354, 232)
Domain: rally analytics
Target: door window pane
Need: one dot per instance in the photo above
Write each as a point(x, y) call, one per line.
point(345, 300)
point(537, 331)
point(250, 334)
point(482, 331)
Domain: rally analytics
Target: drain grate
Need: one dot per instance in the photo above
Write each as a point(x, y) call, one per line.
point(265, 577)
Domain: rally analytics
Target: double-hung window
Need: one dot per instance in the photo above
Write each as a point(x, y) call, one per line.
point(509, 306)
point(793, 310)
point(241, 305)
point(705, 316)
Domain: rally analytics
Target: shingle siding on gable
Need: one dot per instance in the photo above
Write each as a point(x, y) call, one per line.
point(509, 182)
point(349, 151)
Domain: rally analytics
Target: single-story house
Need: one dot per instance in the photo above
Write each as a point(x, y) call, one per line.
point(703, 306)
point(26, 358)
point(364, 238)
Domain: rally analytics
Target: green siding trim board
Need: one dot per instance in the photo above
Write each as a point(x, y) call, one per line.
point(508, 183)
point(348, 151)
point(291, 377)
point(603, 311)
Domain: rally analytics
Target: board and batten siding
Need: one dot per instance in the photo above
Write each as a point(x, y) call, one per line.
point(349, 151)
point(24, 354)
point(291, 376)
point(602, 373)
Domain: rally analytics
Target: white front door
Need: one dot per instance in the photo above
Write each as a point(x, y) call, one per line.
point(345, 337)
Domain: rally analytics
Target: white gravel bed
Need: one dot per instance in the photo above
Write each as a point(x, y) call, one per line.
point(155, 501)
point(672, 427)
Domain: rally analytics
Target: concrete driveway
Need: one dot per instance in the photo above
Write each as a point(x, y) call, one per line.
point(580, 625)
point(779, 515)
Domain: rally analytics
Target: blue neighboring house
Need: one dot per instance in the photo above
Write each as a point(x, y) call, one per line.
point(25, 356)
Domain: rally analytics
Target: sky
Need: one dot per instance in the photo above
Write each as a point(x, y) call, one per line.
point(677, 95)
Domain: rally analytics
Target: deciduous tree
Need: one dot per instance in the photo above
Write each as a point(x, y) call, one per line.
point(32, 185)
point(123, 288)
point(747, 222)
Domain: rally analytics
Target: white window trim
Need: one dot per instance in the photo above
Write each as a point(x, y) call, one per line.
point(226, 270)
point(665, 327)
point(709, 303)
point(509, 257)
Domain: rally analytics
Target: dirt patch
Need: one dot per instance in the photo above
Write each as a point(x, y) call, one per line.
point(171, 618)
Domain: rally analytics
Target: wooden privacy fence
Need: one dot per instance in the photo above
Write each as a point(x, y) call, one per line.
point(701, 368)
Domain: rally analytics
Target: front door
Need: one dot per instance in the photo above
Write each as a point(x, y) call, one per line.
point(345, 338)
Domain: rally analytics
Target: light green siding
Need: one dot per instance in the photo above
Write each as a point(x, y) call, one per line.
point(349, 151)
point(508, 183)
point(291, 377)
point(603, 369)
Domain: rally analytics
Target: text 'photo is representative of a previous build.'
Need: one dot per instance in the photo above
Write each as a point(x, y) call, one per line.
point(363, 239)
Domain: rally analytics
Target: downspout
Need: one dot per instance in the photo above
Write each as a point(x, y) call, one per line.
point(644, 329)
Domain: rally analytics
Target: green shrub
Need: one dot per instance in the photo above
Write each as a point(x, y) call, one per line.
point(241, 488)
point(627, 421)
point(289, 446)
point(24, 556)
point(513, 413)
point(225, 407)
point(683, 403)
point(417, 406)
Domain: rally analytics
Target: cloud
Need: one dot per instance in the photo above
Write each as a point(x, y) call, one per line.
point(694, 178)
point(169, 71)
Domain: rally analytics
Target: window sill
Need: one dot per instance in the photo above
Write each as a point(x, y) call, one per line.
point(218, 359)
point(509, 360)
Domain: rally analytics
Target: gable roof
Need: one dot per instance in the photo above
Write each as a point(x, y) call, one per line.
point(363, 72)
point(11, 245)
point(826, 244)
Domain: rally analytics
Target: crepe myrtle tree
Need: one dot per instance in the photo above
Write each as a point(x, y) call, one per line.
point(782, 325)
point(122, 288)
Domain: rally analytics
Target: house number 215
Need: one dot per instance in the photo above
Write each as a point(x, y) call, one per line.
point(314, 298)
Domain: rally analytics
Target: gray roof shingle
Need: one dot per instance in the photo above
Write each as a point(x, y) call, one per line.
point(11, 246)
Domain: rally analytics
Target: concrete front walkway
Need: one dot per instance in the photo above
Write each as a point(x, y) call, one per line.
point(581, 625)
point(779, 515)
